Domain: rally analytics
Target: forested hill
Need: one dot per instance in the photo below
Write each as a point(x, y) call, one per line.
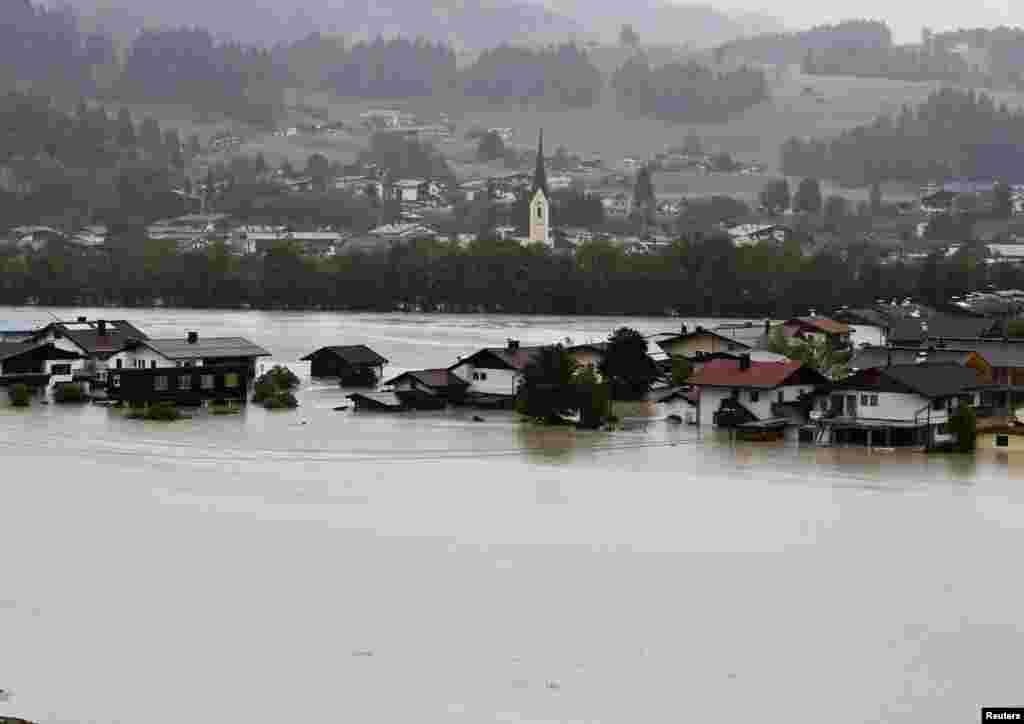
point(793, 48)
point(472, 24)
point(953, 133)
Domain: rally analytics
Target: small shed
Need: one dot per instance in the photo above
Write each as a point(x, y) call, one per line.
point(352, 364)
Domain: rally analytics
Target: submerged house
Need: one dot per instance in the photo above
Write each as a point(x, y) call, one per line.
point(898, 405)
point(181, 385)
point(822, 329)
point(354, 364)
point(741, 392)
point(495, 371)
point(95, 340)
point(700, 341)
point(189, 351)
point(419, 387)
point(36, 365)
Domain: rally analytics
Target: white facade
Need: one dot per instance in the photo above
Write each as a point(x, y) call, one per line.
point(489, 381)
point(759, 402)
point(143, 357)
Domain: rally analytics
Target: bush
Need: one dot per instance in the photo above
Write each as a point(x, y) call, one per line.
point(263, 390)
point(69, 393)
point(281, 400)
point(281, 377)
point(21, 395)
point(163, 411)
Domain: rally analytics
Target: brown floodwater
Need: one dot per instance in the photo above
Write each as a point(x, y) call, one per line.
point(315, 565)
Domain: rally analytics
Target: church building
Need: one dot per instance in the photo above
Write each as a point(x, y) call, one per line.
point(540, 207)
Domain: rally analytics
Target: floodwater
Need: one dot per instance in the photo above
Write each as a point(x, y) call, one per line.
point(324, 566)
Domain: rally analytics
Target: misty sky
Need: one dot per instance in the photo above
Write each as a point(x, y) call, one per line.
point(905, 18)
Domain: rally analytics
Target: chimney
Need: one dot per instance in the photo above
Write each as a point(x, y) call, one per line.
point(513, 344)
point(83, 319)
point(744, 362)
point(101, 327)
point(193, 337)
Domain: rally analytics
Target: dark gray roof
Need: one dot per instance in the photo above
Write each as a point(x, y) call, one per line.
point(929, 380)
point(868, 357)
point(940, 326)
point(206, 348)
point(868, 316)
point(86, 335)
point(353, 354)
point(13, 349)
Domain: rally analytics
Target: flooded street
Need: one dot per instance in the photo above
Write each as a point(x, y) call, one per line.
point(324, 566)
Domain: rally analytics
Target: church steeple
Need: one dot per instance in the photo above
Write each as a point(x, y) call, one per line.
point(540, 178)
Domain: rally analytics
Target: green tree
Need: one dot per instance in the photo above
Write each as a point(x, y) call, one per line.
point(775, 196)
point(1015, 328)
point(808, 196)
point(876, 199)
point(681, 371)
point(20, 395)
point(549, 389)
point(1002, 202)
point(594, 398)
point(627, 366)
point(491, 147)
point(963, 423)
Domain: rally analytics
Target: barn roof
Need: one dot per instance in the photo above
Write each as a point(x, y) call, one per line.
point(356, 355)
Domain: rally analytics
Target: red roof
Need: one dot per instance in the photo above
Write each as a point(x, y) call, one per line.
point(823, 324)
point(727, 373)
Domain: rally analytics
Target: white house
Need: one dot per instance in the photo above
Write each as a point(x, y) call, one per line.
point(758, 390)
point(903, 404)
point(96, 341)
point(495, 370)
point(188, 351)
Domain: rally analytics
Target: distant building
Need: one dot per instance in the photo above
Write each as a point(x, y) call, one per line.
point(540, 209)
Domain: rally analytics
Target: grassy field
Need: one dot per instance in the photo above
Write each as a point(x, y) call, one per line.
point(607, 132)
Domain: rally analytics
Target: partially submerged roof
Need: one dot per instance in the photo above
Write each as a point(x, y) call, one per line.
point(759, 375)
point(514, 358)
point(700, 332)
point(929, 379)
point(432, 378)
point(356, 355)
point(206, 348)
point(9, 350)
point(86, 334)
point(939, 326)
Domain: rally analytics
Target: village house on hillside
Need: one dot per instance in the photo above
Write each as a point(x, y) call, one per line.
point(822, 329)
point(699, 341)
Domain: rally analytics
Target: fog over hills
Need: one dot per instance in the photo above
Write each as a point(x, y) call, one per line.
point(470, 24)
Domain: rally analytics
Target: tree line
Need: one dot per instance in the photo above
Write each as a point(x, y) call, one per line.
point(849, 36)
point(952, 133)
point(686, 92)
point(705, 276)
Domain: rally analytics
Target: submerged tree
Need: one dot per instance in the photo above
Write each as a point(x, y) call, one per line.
point(627, 366)
point(548, 391)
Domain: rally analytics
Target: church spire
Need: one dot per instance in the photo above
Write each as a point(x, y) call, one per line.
point(540, 179)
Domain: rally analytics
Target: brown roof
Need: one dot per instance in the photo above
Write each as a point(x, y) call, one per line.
point(432, 378)
point(87, 336)
point(763, 375)
point(516, 359)
point(824, 324)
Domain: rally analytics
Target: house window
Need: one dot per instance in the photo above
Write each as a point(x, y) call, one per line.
point(755, 395)
point(735, 394)
point(864, 400)
point(874, 401)
point(160, 383)
point(152, 364)
point(938, 404)
point(483, 375)
point(782, 396)
point(476, 375)
point(115, 380)
point(60, 370)
point(207, 382)
point(941, 429)
point(231, 380)
point(118, 364)
point(185, 382)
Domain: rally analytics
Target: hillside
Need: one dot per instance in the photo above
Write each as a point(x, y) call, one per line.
point(471, 24)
